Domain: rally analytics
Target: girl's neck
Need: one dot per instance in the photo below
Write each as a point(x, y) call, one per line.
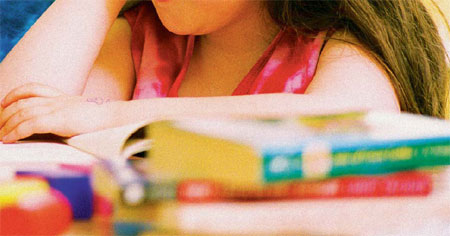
point(222, 59)
point(247, 37)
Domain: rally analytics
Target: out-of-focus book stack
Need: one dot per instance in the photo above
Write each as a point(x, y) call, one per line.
point(346, 174)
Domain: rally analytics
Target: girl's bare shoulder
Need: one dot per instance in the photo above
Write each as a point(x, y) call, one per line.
point(349, 71)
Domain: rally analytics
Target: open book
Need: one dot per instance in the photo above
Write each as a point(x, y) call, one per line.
point(279, 149)
point(116, 143)
point(42, 151)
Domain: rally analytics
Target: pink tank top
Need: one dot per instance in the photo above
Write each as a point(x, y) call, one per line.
point(161, 59)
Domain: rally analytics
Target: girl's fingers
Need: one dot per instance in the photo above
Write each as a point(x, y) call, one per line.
point(16, 107)
point(37, 125)
point(28, 91)
point(22, 116)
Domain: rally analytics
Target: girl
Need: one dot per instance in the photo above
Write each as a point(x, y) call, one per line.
point(178, 58)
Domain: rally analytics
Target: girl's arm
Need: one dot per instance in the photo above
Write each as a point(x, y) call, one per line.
point(112, 76)
point(347, 79)
point(61, 47)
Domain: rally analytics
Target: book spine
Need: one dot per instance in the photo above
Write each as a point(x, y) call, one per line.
point(201, 191)
point(402, 184)
point(321, 161)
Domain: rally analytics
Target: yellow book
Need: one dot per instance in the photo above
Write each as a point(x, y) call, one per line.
point(244, 152)
point(256, 152)
point(180, 154)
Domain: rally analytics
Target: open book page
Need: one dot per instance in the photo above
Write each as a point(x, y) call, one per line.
point(42, 151)
point(112, 143)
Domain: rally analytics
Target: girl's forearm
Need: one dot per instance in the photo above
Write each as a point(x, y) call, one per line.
point(61, 47)
point(265, 105)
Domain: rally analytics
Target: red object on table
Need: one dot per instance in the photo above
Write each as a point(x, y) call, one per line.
point(36, 213)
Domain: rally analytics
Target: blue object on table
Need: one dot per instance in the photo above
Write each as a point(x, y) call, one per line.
point(75, 186)
point(16, 17)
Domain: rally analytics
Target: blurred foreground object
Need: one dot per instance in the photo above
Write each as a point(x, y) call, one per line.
point(30, 207)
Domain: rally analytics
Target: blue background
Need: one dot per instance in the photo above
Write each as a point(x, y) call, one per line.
point(16, 17)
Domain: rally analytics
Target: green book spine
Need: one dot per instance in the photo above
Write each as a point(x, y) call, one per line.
point(323, 161)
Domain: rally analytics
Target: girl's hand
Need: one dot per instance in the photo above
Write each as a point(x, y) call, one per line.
point(37, 109)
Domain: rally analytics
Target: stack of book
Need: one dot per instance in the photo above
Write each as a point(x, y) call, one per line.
point(353, 173)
